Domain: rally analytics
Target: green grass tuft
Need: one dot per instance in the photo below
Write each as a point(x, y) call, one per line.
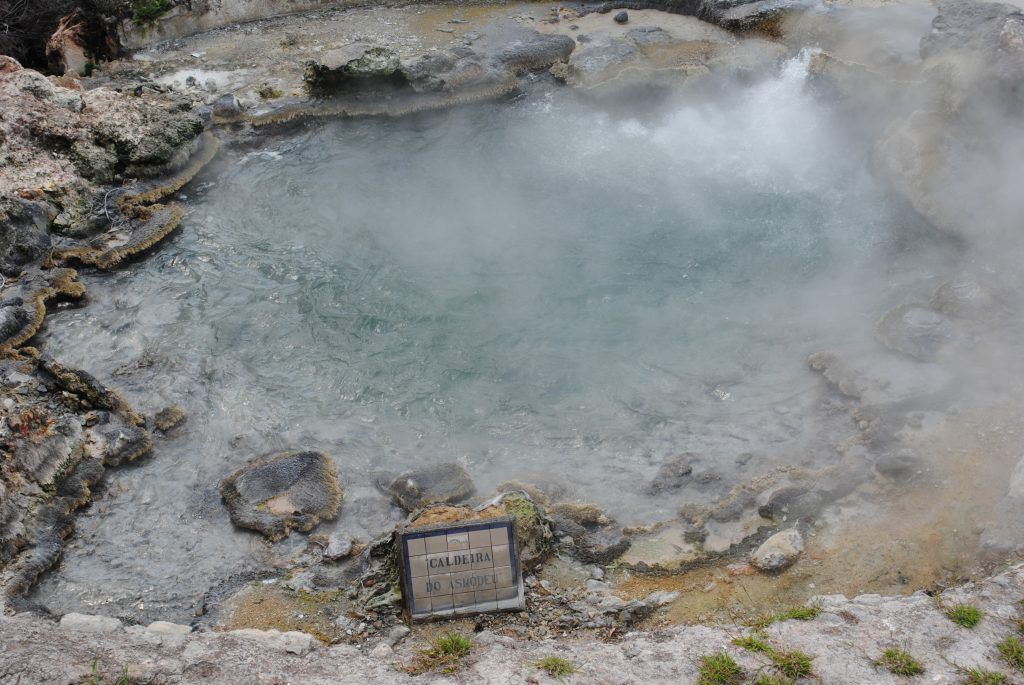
point(765, 679)
point(978, 676)
point(964, 615)
point(797, 614)
point(899, 662)
point(719, 669)
point(752, 643)
point(793, 665)
point(444, 655)
point(1012, 651)
point(555, 666)
point(94, 677)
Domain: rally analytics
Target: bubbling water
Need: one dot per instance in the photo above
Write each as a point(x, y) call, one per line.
point(544, 290)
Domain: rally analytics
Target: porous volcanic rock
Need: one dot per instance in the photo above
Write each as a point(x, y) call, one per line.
point(441, 483)
point(279, 492)
point(778, 552)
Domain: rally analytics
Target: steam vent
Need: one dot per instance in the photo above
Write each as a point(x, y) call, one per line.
point(501, 342)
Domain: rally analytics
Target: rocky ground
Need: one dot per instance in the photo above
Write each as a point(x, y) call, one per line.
point(86, 163)
point(844, 639)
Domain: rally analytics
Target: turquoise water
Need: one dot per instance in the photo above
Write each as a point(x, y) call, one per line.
point(545, 290)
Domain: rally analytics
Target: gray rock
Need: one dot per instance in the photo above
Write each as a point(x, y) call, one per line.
point(661, 598)
point(283, 491)
point(444, 483)
point(649, 35)
point(397, 634)
point(167, 628)
point(792, 503)
point(914, 330)
point(779, 551)
point(292, 642)
point(902, 466)
point(621, 17)
point(1004, 535)
point(227, 106)
point(300, 581)
point(85, 623)
point(338, 547)
point(354, 66)
point(673, 473)
point(533, 51)
point(595, 58)
point(24, 237)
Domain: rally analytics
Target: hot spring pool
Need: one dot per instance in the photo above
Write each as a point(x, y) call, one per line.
point(546, 290)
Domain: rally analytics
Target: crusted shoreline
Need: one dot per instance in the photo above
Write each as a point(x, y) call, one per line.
point(66, 427)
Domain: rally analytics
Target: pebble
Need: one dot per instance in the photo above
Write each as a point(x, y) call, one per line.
point(622, 17)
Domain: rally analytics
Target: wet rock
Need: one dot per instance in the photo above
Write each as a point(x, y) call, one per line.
point(24, 237)
point(747, 16)
point(532, 51)
point(879, 379)
point(902, 466)
point(169, 418)
point(597, 61)
point(283, 491)
point(778, 552)
point(443, 483)
point(227, 106)
point(85, 623)
point(119, 442)
point(643, 36)
point(354, 66)
point(621, 17)
point(792, 503)
point(965, 297)
point(673, 473)
point(914, 330)
point(593, 537)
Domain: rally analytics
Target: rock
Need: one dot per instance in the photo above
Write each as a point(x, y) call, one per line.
point(643, 36)
point(965, 297)
point(85, 623)
point(283, 491)
point(1003, 537)
point(169, 418)
point(227, 106)
point(747, 16)
point(531, 51)
point(397, 634)
point(443, 483)
point(914, 330)
point(302, 581)
point(292, 642)
point(354, 66)
point(24, 235)
point(595, 61)
point(792, 503)
point(338, 547)
point(382, 651)
point(595, 539)
point(778, 552)
point(661, 598)
point(621, 17)
point(901, 466)
point(673, 473)
point(167, 628)
point(879, 379)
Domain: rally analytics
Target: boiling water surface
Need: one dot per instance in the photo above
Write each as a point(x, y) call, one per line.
point(545, 290)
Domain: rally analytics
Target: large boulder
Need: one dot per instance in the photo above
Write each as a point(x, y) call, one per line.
point(442, 483)
point(280, 492)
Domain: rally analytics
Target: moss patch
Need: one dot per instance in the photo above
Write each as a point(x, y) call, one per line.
point(964, 615)
point(898, 661)
point(719, 669)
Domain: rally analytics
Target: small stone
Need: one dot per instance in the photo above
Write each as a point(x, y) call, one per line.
point(85, 623)
point(622, 17)
point(168, 628)
point(779, 551)
point(661, 598)
point(227, 105)
point(338, 547)
point(382, 651)
point(169, 418)
point(300, 581)
point(397, 634)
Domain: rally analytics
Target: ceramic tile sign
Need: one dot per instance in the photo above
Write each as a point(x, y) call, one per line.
point(456, 569)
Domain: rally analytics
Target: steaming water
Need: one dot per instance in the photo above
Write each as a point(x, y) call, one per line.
point(543, 290)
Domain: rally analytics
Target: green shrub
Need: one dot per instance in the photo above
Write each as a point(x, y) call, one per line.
point(146, 12)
